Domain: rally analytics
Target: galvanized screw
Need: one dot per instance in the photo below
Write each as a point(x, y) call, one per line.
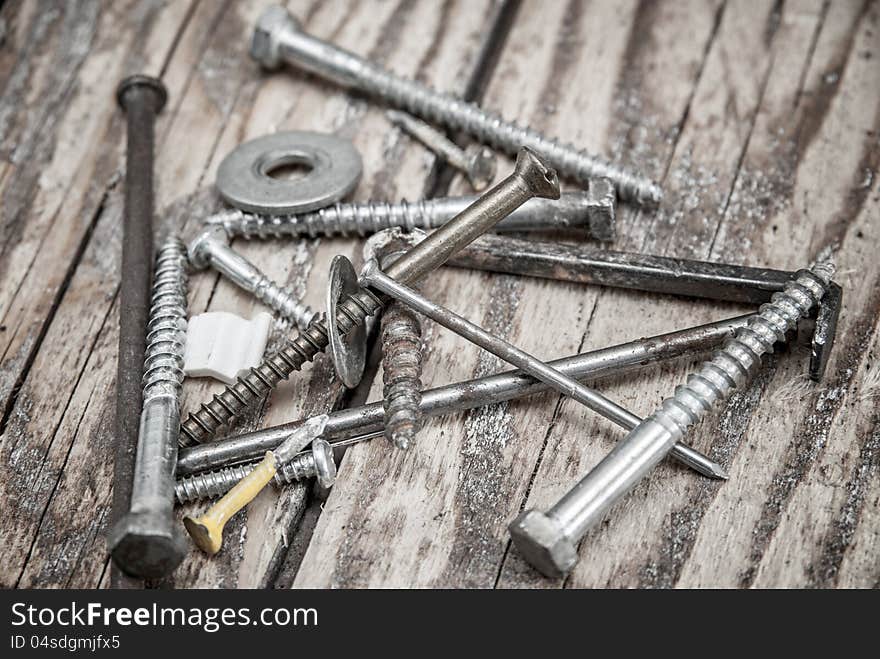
point(211, 248)
point(401, 337)
point(592, 212)
point(316, 463)
point(476, 162)
point(549, 540)
point(279, 37)
point(531, 178)
point(146, 541)
point(367, 421)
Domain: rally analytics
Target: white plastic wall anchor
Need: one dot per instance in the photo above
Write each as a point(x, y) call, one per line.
point(222, 345)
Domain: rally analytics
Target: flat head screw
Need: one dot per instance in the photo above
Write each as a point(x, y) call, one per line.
point(278, 38)
point(476, 162)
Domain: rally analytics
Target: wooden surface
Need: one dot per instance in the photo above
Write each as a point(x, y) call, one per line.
point(761, 121)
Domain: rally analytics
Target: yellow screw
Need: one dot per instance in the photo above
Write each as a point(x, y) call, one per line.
point(207, 530)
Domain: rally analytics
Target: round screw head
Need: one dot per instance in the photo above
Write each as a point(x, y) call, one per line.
point(325, 465)
point(542, 543)
point(200, 249)
point(481, 166)
point(141, 83)
point(348, 351)
point(536, 174)
point(271, 24)
point(144, 548)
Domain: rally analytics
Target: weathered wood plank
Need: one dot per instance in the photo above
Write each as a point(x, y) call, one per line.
point(54, 221)
point(437, 515)
point(808, 487)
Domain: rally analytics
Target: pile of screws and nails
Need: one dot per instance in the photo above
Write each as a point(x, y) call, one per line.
point(408, 241)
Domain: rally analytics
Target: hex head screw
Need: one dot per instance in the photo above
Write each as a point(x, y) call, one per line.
point(549, 540)
point(146, 542)
point(531, 178)
point(141, 98)
point(210, 248)
point(278, 38)
point(591, 212)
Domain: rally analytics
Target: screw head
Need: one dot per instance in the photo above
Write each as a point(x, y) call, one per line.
point(542, 543)
point(143, 546)
point(142, 84)
point(481, 166)
point(271, 25)
point(202, 246)
point(325, 465)
point(536, 174)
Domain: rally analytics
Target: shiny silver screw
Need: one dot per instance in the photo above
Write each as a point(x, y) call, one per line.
point(592, 212)
point(146, 542)
point(476, 162)
point(531, 178)
point(210, 248)
point(549, 540)
point(278, 37)
point(316, 463)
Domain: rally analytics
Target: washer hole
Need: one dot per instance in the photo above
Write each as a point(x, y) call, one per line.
point(288, 168)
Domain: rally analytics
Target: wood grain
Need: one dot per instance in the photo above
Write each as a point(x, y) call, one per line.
point(761, 121)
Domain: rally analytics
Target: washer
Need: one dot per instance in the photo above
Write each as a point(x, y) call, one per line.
point(348, 352)
point(244, 180)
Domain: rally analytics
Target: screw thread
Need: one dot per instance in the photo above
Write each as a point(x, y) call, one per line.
point(733, 364)
point(166, 329)
point(249, 389)
point(284, 302)
point(340, 220)
point(492, 129)
point(402, 371)
point(213, 484)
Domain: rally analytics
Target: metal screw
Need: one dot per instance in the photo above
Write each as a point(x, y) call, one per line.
point(146, 541)
point(207, 530)
point(355, 421)
point(278, 37)
point(531, 178)
point(476, 162)
point(315, 463)
point(592, 212)
point(211, 248)
point(142, 98)
point(401, 337)
point(372, 276)
point(549, 540)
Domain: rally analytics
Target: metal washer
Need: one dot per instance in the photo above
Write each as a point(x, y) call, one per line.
point(243, 178)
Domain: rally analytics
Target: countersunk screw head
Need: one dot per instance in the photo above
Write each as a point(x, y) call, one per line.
point(202, 246)
point(142, 83)
point(325, 465)
point(271, 24)
point(145, 547)
point(540, 540)
point(481, 166)
point(539, 177)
